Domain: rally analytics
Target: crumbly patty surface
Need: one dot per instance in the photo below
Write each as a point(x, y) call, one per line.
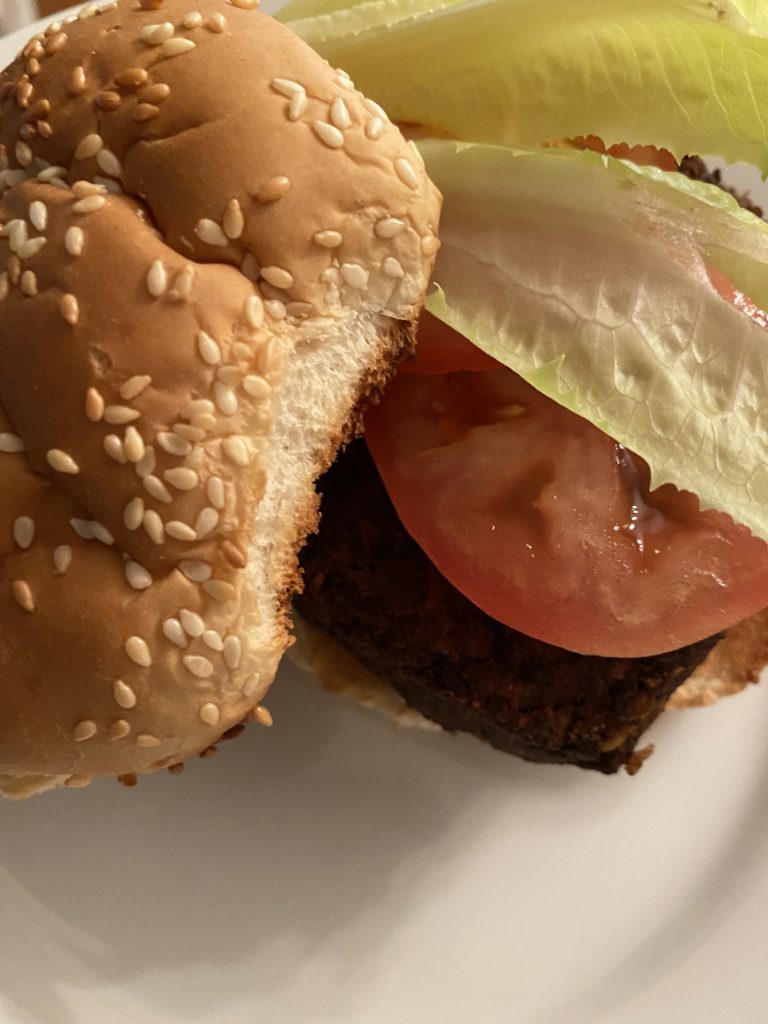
point(369, 585)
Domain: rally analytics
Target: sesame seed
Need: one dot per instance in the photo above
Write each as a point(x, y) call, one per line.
point(108, 100)
point(188, 432)
point(29, 283)
point(286, 86)
point(180, 531)
point(254, 311)
point(17, 233)
point(145, 112)
point(374, 128)
point(84, 731)
point(245, 5)
point(192, 623)
point(156, 35)
point(226, 398)
point(242, 351)
point(208, 348)
point(278, 277)
point(355, 275)
point(328, 239)
point(406, 173)
point(147, 741)
point(4, 286)
point(230, 375)
point(134, 514)
point(210, 714)
point(32, 247)
point(389, 227)
point(101, 533)
point(24, 531)
point(219, 590)
point(328, 134)
point(156, 93)
point(197, 407)
point(297, 106)
point(206, 522)
point(118, 415)
point(233, 651)
point(429, 245)
point(56, 43)
point(137, 650)
point(172, 631)
point(61, 462)
point(131, 78)
point(138, 577)
point(10, 444)
point(147, 464)
point(157, 488)
point(236, 450)
point(392, 267)
point(216, 23)
point(198, 665)
point(82, 189)
point(82, 528)
point(150, 5)
point(181, 477)
point(157, 279)
point(192, 20)
point(183, 284)
point(344, 81)
point(114, 448)
point(262, 716)
point(109, 163)
point(22, 593)
point(119, 729)
point(375, 109)
point(125, 694)
point(195, 569)
point(204, 421)
point(78, 781)
point(38, 215)
point(62, 558)
point(134, 445)
point(211, 233)
point(134, 386)
point(87, 12)
point(276, 309)
point(274, 189)
point(74, 241)
point(339, 115)
point(89, 205)
point(175, 47)
point(215, 491)
point(153, 524)
point(213, 640)
point(33, 67)
point(256, 386)
point(77, 81)
point(89, 146)
point(173, 444)
point(234, 222)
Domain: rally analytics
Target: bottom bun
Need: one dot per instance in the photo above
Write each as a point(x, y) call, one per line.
point(733, 664)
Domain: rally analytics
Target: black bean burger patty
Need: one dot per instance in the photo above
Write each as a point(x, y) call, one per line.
point(371, 587)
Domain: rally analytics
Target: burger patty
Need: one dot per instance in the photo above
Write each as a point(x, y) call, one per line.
point(370, 586)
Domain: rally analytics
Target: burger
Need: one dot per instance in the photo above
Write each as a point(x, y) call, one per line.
point(196, 294)
point(557, 521)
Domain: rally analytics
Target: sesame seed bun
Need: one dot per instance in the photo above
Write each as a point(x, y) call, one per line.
point(211, 248)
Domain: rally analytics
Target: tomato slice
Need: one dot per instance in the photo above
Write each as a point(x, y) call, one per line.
point(549, 526)
point(443, 350)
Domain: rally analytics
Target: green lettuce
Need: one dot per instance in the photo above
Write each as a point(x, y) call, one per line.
point(687, 75)
point(592, 278)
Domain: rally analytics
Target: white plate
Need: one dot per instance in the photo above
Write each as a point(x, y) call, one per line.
point(335, 870)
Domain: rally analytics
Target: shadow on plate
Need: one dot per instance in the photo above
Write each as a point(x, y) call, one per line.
point(318, 830)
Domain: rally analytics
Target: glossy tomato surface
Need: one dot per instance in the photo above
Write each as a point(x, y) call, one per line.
point(547, 524)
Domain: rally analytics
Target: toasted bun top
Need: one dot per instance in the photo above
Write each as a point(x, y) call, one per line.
point(246, 199)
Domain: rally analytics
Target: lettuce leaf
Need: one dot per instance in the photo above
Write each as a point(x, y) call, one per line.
point(592, 279)
point(687, 75)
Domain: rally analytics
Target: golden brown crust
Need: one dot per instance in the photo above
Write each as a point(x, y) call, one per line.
point(140, 362)
point(736, 661)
